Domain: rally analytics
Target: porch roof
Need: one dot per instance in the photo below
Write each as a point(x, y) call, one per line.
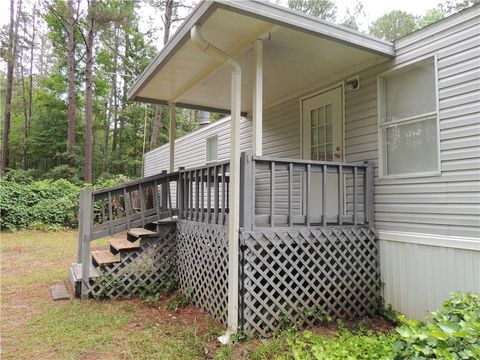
point(299, 51)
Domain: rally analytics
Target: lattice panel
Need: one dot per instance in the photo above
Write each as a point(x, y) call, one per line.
point(203, 265)
point(150, 267)
point(301, 274)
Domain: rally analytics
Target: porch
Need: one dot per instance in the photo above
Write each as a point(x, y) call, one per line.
point(299, 257)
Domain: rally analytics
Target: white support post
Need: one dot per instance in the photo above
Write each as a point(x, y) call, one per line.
point(257, 97)
point(234, 194)
point(234, 206)
point(171, 138)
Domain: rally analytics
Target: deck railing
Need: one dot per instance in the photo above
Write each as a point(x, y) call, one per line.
point(122, 207)
point(290, 192)
point(204, 193)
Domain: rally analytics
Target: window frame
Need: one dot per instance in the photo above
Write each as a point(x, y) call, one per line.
point(382, 124)
point(207, 142)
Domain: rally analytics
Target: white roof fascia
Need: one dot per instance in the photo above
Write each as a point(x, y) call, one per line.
point(266, 12)
point(307, 23)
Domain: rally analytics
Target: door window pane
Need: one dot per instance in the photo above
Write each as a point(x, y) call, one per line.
point(314, 118)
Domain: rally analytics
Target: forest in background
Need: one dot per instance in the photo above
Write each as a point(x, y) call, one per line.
point(67, 66)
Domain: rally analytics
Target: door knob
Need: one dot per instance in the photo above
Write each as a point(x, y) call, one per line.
point(338, 148)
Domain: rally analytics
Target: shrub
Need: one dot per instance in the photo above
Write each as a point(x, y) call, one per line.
point(40, 204)
point(452, 333)
point(45, 204)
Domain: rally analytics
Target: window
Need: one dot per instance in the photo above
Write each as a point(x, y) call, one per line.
point(212, 148)
point(408, 121)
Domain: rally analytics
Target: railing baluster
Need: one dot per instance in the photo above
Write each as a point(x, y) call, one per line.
point(272, 194)
point(209, 195)
point(142, 203)
point(307, 200)
point(354, 195)
point(169, 195)
point(190, 179)
point(253, 192)
point(340, 195)
point(324, 196)
point(110, 213)
point(185, 197)
point(223, 195)
point(290, 194)
point(197, 195)
point(128, 207)
point(164, 193)
point(156, 200)
point(202, 195)
point(215, 195)
point(369, 195)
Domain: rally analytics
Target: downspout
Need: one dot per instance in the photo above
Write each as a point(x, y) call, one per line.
point(234, 205)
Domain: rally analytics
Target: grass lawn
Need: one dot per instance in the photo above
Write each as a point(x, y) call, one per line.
point(35, 327)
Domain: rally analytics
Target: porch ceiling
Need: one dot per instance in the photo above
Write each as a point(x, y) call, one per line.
point(299, 51)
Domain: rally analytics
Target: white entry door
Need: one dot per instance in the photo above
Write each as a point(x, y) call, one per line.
point(322, 129)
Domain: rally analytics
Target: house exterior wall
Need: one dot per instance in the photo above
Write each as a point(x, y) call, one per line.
point(428, 227)
point(190, 150)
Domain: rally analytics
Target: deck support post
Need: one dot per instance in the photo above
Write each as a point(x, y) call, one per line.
point(246, 188)
point(171, 137)
point(257, 116)
point(85, 236)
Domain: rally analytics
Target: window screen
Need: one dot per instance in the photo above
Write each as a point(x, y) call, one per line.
point(408, 120)
point(212, 148)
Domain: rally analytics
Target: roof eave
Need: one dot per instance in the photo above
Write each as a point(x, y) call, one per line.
point(267, 12)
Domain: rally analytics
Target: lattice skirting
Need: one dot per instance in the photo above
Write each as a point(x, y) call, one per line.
point(202, 264)
point(301, 275)
point(150, 267)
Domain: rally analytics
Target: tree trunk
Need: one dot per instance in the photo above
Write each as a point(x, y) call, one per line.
point(71, 80)
point(26, 129)
point(159, 108)
point(89, 94)
point(168, 20)
point(156, 126)
point(25, 110)
point(12, 54)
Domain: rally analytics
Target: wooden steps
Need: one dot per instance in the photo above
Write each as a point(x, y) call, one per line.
point(104, 257)
point(117, 245)
point(136, 233)
point(76, 276)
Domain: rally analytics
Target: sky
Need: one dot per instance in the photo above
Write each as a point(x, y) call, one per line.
point(373, 8)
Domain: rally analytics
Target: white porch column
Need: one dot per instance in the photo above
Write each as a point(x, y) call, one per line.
point(234, 192)
point(234, 205)
point(171, 137)
point(257, 112)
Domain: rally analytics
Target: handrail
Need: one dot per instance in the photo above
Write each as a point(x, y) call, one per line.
point(135, 182)
point(122, 207)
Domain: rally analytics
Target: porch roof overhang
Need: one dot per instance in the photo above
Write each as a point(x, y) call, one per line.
point(299, 51)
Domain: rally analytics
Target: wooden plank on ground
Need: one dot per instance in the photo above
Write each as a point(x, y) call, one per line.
point(59, 292)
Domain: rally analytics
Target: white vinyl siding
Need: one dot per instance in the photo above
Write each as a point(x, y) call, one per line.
point(443, 205)
point(408, 120)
